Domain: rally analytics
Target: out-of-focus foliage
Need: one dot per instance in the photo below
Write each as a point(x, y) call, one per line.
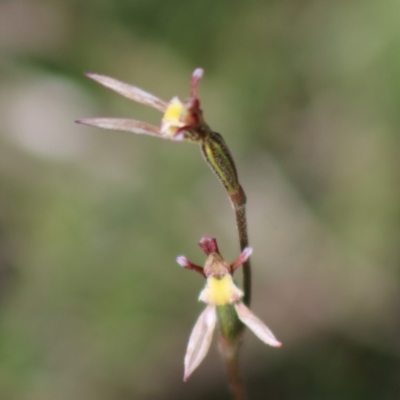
point(306, 93)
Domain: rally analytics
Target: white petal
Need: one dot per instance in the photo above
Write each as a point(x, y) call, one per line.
point(120, 124)
point(131, 92)
point(200, 340)
point(256, 325)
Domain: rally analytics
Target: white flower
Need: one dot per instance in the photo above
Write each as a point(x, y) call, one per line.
point(182, 120)
point(220, 290)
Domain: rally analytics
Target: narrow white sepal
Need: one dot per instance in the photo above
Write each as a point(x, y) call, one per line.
point(131, 92)
point(121, 124)
point(200, 340)
point(256, 325)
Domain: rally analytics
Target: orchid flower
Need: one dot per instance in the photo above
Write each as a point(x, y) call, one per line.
point(181, 121)
point(220, 292)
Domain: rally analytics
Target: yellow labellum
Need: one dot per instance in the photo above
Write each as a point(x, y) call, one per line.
point(171, 121)
point(220, 291)
point(174, 110)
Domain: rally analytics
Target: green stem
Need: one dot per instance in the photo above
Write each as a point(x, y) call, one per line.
point(230, 338)
point(241, 224)
point(229, 350)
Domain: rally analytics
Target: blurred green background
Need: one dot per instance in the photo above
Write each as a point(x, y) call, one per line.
point(306, 93)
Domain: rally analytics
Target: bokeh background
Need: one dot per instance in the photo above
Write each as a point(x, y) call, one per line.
point(306, 93)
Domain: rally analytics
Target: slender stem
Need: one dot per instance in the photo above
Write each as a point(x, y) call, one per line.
point(229, 350)
point(238, 200)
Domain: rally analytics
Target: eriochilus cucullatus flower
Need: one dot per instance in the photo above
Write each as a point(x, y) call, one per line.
point(225, 306)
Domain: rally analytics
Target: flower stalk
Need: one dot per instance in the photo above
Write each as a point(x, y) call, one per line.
point(230, 355)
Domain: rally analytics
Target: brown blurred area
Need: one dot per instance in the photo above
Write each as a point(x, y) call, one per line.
point(307, 95)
